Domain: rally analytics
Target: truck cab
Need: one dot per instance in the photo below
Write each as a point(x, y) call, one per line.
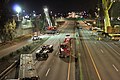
point(64, 50)
point(41, 54)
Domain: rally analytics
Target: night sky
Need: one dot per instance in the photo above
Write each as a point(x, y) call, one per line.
point(56, 6)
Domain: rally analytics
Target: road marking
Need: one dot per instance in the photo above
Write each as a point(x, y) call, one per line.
point(113, 49)
point(93, 62)
point(102, 51)
point(56, 53)
point(35, 62)
point(68, 77)
point(115, 67)
point(47, 72)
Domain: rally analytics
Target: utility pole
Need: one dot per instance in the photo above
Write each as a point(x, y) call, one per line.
point(98, 16)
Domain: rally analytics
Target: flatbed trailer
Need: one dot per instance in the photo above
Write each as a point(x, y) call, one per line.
point(27, 69)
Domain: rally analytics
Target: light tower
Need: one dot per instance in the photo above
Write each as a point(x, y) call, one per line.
point(18, 9)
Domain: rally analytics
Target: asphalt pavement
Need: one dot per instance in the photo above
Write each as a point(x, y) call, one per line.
point(105, 57)
point(97, 60)
point(55, 68)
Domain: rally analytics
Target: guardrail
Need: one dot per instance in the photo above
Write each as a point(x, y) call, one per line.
point(10, 68)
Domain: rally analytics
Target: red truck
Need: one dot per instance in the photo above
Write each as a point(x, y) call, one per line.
point(51, 30)
point(64, 48)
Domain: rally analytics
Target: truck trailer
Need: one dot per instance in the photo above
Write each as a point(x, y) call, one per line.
point(27, 69)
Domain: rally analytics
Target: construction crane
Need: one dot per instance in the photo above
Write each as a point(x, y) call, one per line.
point(50, 28)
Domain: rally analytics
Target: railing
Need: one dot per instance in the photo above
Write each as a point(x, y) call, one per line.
point(8, 70)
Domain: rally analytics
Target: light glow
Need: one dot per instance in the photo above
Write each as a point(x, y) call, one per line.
point(17, 8)
point(45, 9)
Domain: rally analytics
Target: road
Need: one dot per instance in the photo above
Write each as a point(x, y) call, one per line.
point(100, 59)
point(17, 45)
point(97, 59)
point(55, 68)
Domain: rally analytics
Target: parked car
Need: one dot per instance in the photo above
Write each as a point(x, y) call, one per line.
point(36, 38)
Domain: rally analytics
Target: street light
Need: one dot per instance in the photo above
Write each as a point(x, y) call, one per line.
point(98, 9)
point(18, 9)
point(45, 9)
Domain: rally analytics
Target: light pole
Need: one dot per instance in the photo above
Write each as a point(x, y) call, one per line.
point(98, 16)
point(18, 9)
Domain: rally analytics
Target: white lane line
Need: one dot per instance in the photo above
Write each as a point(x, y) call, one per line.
point(102, 51)
point(47, 72)
point(115, 67)
point(35, 62)
point(56, 53)
point(113, 49)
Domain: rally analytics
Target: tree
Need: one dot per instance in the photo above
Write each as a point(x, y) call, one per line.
point(10, 29)
point(39, 23)
point(42, 22)
point(115, 10)
point(106, 7)
point(7, 24)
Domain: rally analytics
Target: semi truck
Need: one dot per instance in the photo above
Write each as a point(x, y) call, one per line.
point(42, 53)
point(27, 69)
